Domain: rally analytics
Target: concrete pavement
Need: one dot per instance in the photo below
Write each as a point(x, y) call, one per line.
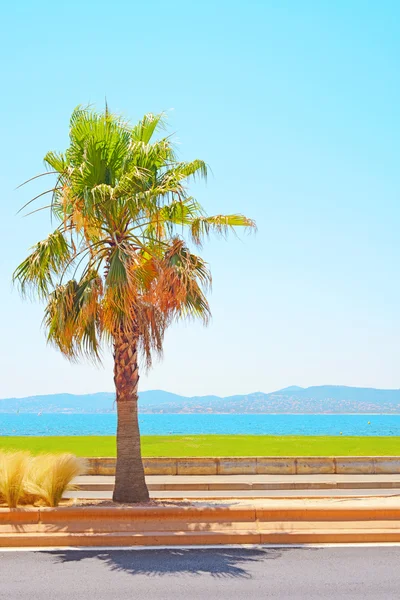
point(246, 486)
point(243, 494)
point(357, 573)
point(247, 482)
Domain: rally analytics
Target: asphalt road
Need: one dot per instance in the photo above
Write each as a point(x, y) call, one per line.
point(308, 573)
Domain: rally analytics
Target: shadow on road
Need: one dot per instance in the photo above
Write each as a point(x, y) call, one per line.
point(219, 563)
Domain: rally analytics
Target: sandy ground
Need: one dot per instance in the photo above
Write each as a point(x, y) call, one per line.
point(351, 502)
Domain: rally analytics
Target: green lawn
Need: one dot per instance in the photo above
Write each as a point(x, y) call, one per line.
point(214, 445)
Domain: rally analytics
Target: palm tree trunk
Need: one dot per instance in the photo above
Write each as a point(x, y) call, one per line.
point(130, 484)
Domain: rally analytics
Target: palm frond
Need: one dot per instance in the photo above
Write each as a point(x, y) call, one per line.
point(55, 161)
point(44, 263)
point(185, 170)
point(73, 317)
point(35, 177)
point(201, 227)
point(145, 129)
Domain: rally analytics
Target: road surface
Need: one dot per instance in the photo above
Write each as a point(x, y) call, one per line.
point(365, 573)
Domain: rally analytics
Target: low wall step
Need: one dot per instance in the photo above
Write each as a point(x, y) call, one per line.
point(248, 482)
point(253, 465)
point(188, 487)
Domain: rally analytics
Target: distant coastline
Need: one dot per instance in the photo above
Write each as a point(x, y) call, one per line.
point(329, 400)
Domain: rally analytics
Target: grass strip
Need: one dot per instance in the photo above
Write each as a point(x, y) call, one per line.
point(212, 445)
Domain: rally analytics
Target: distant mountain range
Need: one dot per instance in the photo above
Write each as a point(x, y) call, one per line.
point(293, 399)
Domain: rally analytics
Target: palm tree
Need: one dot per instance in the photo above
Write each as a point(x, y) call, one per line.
point(117, 269)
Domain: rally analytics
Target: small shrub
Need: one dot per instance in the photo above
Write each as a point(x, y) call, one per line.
point(13, 470)
point(50, 475)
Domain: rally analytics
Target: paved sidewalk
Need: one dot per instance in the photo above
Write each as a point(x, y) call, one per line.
point(249, 495)
point(248, 486)
point(248, 482)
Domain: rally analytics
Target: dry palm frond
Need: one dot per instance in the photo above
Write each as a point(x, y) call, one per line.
point(50, 475)
point(13, 469)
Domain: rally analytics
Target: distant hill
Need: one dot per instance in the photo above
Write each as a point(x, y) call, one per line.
point(293, 399)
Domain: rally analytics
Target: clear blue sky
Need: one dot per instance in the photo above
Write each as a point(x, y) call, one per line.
point(296, 107)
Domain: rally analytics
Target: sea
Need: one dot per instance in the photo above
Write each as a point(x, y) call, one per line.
point(191, 424)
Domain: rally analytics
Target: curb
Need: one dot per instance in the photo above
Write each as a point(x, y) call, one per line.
point(191, 514)
point(89, 526)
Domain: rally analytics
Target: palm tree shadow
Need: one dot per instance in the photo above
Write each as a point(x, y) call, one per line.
point(219, 563)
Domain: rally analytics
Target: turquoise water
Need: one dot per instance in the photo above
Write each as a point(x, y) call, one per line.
point(164, 424)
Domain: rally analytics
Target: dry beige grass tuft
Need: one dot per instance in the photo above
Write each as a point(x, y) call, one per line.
point(50, 475)
point(13, 470)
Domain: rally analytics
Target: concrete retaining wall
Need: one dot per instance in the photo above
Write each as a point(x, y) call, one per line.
point(256, 465)
point(100, 518)
point(278, 523)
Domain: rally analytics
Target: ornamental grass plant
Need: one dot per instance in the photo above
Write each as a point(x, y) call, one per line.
point(13, 470)
point(50, 475)
point(41, 479)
